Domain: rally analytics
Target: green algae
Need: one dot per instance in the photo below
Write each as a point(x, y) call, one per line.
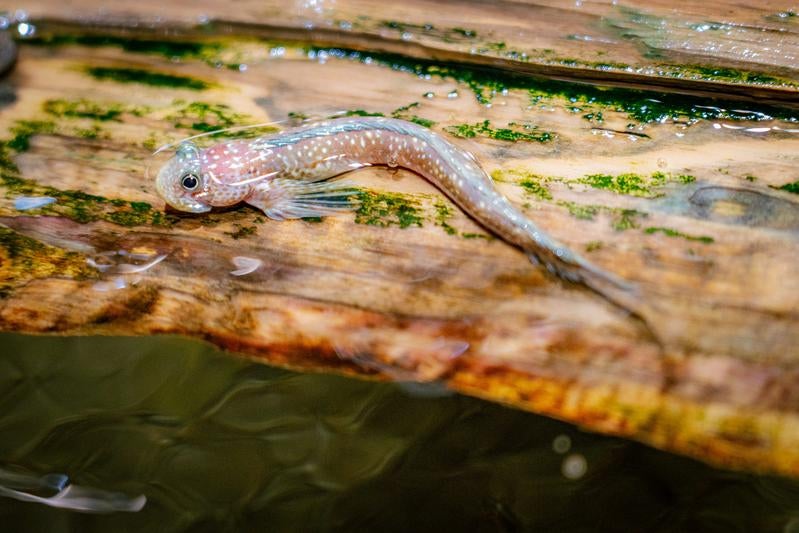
point(207, 117)
point(385, 209)
point(94, 132)
point(447, 35)
point(536, 188)
point(360, 113)
point(532, 183)
point(23, 258)
point(242, 231)
point(595, 117)
point(168, 49)
point(580, 211)
point(404, 114)
point(23, 130)
point(593, 246)
point(443, 213)
point(624, 219)
point(75, 205)
point(674, 233)
point(467, 235)
point(631, 184)
point(209, 52)
point(727, 74)
point(425, 122)
point(147, 77)
point(204, 116)
point(639, 105)
point(464, 32)
point(621, 219)
point(790, 187)
point(510, 134)
point(88, 109)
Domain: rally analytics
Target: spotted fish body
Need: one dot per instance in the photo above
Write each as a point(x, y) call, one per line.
point(287, 175)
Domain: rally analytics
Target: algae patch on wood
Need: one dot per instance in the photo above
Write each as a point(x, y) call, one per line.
point(23, 259)
point(512, 133)
point(387, 209)
point(147, 77)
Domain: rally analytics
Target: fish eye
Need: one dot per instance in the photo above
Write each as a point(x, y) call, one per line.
point(189, 181)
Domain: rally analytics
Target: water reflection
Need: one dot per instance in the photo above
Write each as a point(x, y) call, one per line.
point(218, 443)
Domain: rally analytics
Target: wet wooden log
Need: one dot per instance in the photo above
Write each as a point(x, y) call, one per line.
point(717, 47)
point(694, 201)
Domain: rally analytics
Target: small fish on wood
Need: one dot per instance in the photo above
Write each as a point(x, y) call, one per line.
point(293, 174)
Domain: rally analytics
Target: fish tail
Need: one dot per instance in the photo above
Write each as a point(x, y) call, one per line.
point(575, 269)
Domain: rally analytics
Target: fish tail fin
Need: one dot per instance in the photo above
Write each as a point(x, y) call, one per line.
point(575, 269)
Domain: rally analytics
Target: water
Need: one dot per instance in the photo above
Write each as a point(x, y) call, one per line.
point(219, 443)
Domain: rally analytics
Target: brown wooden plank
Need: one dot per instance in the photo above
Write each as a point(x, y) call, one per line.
point(693, 47)
point(708, 370)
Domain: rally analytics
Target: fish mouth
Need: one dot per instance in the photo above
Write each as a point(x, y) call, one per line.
point(189, 205)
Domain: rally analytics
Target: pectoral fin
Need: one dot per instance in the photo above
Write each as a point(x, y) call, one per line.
point(283, 199)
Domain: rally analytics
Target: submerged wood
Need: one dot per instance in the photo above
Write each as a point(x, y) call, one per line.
point(408, 287)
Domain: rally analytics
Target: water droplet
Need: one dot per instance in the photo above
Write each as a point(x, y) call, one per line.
point(406, 36)
point(561, 444)
point(574, 466)
point(26, 30)
point(453, 93)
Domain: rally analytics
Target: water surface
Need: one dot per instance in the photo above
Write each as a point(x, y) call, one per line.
point(219, 443)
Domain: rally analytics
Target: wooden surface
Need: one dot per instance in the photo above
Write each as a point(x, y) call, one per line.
point(628, 43)
point(708, 369)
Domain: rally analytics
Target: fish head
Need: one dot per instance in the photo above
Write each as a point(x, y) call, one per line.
point(181, 182)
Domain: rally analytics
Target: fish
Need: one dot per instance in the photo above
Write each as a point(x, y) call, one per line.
point(296, 173)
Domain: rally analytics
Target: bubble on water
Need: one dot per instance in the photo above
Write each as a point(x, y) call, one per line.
point(561, 444)
point(453, 93)
point(429, 94)
point(26, 30)
point(574, 466)
point(406, 36)
point(662, 163)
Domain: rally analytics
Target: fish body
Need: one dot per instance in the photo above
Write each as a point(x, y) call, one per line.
point(288, 175)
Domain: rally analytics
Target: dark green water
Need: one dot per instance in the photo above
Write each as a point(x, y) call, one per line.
point(221, 444)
